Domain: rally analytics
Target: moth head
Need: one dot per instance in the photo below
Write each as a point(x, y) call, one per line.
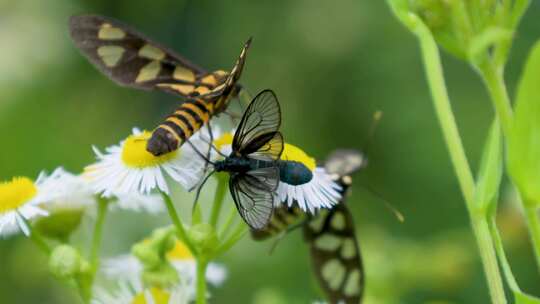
point(161, 142)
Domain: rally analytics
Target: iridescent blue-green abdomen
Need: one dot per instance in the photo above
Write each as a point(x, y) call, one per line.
point(294, 173)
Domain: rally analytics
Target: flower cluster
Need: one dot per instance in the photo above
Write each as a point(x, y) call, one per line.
point(162, 269)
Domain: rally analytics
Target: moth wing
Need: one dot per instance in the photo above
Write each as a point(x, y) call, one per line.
point(253, 194)
point(259, 127)
point(131, 59)
point(335, 255)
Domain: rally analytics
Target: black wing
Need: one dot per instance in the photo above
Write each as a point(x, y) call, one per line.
point(259, 126)
point(335, 255)
point(131, 59)
point(253, 194)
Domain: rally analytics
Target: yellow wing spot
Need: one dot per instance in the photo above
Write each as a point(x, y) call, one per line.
point(110, 54)
point(202, 90)
point(317, 223)
point(149, 71)
point(328, 242)
point(108, 32)
point(209, 80)
point(184, 89)
point(338, 221)
point(352, 286)
point(348, 250)
point(151, 52)
point(181, 73)
point(333, 273)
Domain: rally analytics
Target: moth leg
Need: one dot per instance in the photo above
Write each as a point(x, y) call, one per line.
point(283, 233)
point(211, 134)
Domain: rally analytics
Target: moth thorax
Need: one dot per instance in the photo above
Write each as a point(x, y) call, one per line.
point(162, 142)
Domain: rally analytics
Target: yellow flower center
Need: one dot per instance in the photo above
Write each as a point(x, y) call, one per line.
point(293, 153)
point(16, 193)
point(158, 295)
point(225, 140)
point(134, 152)
point(180, 252)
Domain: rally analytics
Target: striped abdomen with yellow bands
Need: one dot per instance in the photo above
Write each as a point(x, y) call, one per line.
point(130, 59)
point(179, 126)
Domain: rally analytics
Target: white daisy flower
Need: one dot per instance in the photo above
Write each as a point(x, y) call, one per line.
point(128, 168)
point(302, 182)
point(131, 293)
point(152, 203)
point(19, 203)
point(128, 267)
point(64, 191)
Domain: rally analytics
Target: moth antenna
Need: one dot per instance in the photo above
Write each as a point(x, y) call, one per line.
point(199, 152)
point(399, 216)
point(377, 116)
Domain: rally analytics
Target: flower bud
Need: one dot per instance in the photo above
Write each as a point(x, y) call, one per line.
point(204, 238)
point(66, 262)
point(164, 275)
point(60, 223)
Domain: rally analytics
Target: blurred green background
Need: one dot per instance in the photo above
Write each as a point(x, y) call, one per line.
point(332, 65)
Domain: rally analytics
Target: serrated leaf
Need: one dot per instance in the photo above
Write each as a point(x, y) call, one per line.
point(491, 170)
point(524, 139)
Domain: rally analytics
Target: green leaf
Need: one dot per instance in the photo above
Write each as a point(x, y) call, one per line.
point(524, 139)
point(490, 173)
point(522, 298)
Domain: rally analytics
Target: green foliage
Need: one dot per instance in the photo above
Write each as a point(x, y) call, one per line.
point(524, 140)
point(490, 173)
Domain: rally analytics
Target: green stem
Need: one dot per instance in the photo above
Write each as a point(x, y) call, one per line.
point(441, 101)
point(221, 190)
point(494, 81)
point(85, 283)
point(201, 281)
point(37, 238)
point(98, 233)
point(180, 231)
point(499, 247)
point(228, 224)
point(531, 213)
point(239, 231)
